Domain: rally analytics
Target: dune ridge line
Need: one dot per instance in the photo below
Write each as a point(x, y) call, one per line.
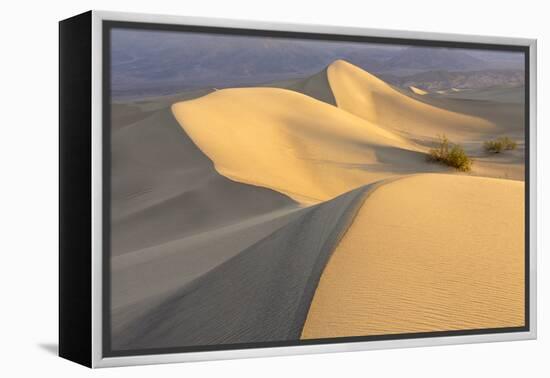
point(405, 276)
point(295, 153)
point(262, 293)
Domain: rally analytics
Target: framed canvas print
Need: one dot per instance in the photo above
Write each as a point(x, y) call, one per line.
point(234, 189)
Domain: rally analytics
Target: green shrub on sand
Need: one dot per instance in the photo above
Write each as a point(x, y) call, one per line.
point(450, 154)
point(498, 145)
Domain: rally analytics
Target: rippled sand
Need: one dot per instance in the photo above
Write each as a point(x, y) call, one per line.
point(426, 253)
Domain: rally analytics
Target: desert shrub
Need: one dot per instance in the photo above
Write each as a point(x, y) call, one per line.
point(498, 145)
point(494, 146)
point(450, 154)
point(508, 143)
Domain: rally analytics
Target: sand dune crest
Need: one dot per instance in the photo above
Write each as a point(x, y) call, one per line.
point(292, 143)
point(426, 253)
point(368, 97)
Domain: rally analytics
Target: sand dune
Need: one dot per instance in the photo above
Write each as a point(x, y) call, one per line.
point(173, 216)
point(418, 91)
point(227, 204)
point(164, 188)
point(304, 148)
point(453, 113)
point(498, 110)
point(125, 113)
point(137, 286)
point(426, 253)
point(315, 86)
point(366, 96)
point(261, 294)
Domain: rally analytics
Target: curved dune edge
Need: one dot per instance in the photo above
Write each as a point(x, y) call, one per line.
point(157, 170)
point(315, 86)
point(261, 294)
point(171, 212)
point(426, 253)
point(363, 94)
point(299, 145)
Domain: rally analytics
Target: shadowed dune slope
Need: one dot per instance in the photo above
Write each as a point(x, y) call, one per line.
point(164, 187)
point(299, 145)
point(368, 97)
point(426, 253)
point(173, 213)
point(315, 86)
point(262, 294)
point(137, 286)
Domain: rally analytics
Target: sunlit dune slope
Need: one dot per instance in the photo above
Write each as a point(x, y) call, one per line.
point(418, 91)
point(426, 253)
point(292, 143)
point(368, 97)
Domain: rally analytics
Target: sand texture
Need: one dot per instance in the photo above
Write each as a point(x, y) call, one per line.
point(426, 253)
point(263, 293)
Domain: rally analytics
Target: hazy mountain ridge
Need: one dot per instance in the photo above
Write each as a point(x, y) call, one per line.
point(429, 58)
point(442, 80)
point(155, 63)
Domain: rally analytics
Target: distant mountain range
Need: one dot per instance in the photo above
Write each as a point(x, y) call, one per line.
point(168, 62)
point(441, 80)
point(428, 58)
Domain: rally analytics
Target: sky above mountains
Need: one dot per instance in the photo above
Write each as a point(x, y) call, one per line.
point(163, 62)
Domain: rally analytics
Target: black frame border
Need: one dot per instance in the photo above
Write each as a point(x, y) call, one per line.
point(75, 189)
point(108, 26)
